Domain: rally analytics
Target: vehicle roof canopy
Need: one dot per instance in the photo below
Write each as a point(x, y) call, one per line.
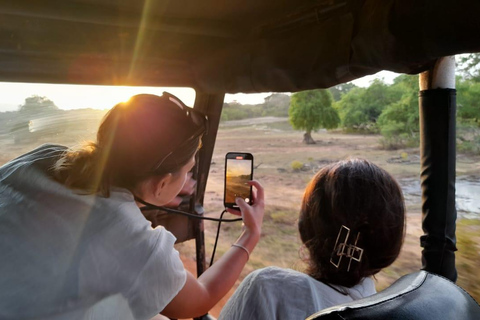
point(218, 46)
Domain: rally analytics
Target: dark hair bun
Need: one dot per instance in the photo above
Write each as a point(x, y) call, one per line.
point(363, 197)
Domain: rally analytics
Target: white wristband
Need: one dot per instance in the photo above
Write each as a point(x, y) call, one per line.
point(243, 248)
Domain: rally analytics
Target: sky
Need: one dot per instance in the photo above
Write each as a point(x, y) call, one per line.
point(104, 97)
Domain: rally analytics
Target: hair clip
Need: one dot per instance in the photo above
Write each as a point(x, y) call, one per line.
point(342, 248)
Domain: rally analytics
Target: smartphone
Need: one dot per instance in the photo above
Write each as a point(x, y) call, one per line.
point(238, 171)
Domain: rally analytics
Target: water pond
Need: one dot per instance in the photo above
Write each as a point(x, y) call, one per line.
point(467, 195)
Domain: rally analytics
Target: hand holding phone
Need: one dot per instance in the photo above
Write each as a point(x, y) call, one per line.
point(238, 172)
point(252, 215)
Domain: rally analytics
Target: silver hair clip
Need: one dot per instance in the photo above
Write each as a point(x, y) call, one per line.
point(342, 248)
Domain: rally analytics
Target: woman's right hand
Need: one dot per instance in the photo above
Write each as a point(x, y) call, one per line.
point(215, 282)
point(252, 215)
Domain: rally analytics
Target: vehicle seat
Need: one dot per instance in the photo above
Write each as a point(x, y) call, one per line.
point(419, 295)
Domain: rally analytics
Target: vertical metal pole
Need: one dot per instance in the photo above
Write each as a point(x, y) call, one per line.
point(211, 105)
point(437, 145)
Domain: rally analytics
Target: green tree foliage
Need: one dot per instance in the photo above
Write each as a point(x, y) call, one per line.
point(468, 100)
point(399, 121)
point(340, 90)
point(238, 111)
point(360, 108)
point(276, 105)
point(468, 116)
point(469, 66)
point(311, 110)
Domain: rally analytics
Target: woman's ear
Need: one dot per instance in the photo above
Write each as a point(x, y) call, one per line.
point(159, 184)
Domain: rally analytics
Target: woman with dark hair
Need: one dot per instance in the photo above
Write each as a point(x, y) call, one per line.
point(73, 241)
point(352, 225)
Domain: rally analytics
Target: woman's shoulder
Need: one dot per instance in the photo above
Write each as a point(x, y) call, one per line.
point(284, 277)
point(275, 277)
point(277, 273)
point(43, 152)
point(276, 293)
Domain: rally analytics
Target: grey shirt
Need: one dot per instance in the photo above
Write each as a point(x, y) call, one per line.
point(64, 255)
point(273, 293)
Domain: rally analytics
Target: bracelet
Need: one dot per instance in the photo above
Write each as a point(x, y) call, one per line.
point(243, 248)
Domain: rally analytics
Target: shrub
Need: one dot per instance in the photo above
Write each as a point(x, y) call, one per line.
point(296, 165)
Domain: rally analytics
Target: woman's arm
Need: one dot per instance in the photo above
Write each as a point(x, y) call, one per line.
point(198, 296)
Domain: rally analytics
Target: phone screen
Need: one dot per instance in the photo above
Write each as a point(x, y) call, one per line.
point(238, 171)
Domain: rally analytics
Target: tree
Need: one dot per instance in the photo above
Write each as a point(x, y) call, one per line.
point(36, 117)
point(237, 111)
point(360, 108)
point(311, 110)
point(340, 90)
point(276, 105)
point(469, 66)
point(468, 100)
point(37, 105)
point(399, 121)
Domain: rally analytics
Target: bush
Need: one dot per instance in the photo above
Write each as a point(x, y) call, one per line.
point(360, 107)
point(233, 114)
point(468, 141)
point(296, 165)
point(399, 123)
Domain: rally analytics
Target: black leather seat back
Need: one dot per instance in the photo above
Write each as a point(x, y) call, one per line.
point(419, 295)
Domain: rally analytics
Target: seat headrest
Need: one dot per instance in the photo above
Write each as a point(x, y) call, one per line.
point(419, 295)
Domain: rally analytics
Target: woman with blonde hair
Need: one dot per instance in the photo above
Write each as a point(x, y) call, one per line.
point(73, 241)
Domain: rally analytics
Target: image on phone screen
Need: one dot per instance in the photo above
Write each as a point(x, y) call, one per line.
point(238, 171)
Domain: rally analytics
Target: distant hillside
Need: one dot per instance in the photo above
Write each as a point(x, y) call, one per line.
point(275, 105)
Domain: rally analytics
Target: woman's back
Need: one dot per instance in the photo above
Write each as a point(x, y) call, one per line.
point(277, 293)
point(85, 248)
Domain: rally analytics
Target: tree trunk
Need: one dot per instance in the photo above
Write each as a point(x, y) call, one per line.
point(307, 138)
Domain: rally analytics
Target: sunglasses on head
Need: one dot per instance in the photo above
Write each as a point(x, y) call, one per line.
point(197, 118)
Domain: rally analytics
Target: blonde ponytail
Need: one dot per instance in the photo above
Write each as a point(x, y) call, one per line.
point(82, 169)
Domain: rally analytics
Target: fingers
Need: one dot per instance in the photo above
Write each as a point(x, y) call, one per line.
point(234, 212)
point(241, 204)
point(259, 197)
point(242, 207)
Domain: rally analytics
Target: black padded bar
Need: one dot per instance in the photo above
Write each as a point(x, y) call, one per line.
point(416, 296)
point(437, 145)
